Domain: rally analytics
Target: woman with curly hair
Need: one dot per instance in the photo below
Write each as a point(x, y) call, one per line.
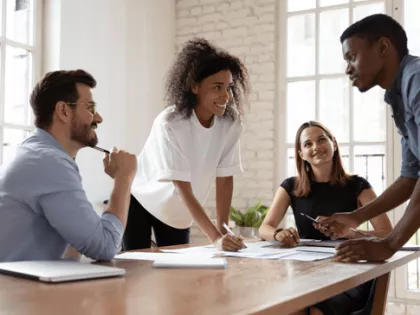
point(192, 142)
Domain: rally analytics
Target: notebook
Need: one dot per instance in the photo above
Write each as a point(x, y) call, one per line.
point(58, 270)
point(206, 263)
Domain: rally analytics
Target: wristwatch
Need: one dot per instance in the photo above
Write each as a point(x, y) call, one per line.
point(275, 233)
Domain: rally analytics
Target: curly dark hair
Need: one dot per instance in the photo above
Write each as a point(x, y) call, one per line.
point(198, 60)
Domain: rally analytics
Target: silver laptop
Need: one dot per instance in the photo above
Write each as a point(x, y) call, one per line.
point(58, 270)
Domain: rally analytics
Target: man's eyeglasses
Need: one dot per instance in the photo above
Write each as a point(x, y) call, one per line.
point(91, 106)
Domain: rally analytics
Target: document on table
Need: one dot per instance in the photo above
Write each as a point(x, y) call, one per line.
point(299, 253)
point(257, 250)
point(319, 243)
point(156, 256)
point(260, 253)
point(311, 253)
point(314, 249)
point(307, 256)
point(197, 262)
point(252, 251)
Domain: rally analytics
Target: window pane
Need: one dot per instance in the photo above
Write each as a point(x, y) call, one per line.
point(301, 45)
point(291, 164)
point(370, 163)
point(334, 107)
point(298, 5)
point(290, 219)
point(369, 115)
point(331, 25)
point(18, 83)
point(1, 19)
point(362, 11)
point(413, 267)
point(19, 19)
point(412, 25)
point(324, 3)
point(300, 106)
point(11, 139)
point(344, 151)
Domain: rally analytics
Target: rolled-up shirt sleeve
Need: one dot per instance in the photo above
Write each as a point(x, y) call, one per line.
point(411, 90)
point(69, 212)
point(410, 164)
point(171, 161)
point(230, 164)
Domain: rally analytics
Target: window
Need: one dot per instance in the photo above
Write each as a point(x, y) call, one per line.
point(19, 65)
point(316, 87)
point(313, 86)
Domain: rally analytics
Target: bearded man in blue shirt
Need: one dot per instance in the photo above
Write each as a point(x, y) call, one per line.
point(43, 206)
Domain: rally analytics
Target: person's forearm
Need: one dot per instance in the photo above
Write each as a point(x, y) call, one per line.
point(224, 191)
point(266, 232)
point(391, 198)
point(197, 211)
point(408, 224)
point(363, 233)
point(120, 199)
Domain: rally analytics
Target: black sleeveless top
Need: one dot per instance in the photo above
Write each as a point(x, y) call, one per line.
point(324, 199)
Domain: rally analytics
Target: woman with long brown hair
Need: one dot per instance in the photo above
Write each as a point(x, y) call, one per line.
point(321, 188)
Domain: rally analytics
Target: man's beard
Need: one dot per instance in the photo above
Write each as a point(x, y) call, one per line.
point(82, 134)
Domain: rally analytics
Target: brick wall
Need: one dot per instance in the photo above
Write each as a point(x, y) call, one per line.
point(246, 28)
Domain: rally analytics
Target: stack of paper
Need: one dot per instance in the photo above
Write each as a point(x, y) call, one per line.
point(197, 262)
point(201, 256)
point(155, 256)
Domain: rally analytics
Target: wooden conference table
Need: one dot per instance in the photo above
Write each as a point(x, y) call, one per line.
point(247, 286)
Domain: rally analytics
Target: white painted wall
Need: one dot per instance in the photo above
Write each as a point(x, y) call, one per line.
point(127, 45)
point(148, 59)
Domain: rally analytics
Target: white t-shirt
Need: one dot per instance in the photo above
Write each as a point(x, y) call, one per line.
point(182, 149)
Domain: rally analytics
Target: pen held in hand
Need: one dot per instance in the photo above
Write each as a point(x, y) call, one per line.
point(229, 231)
point(101, 150)
point(312, 219)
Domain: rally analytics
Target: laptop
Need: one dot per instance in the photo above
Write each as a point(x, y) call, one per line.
point(58, 270)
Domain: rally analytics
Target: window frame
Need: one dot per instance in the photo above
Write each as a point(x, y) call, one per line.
point(36, 51)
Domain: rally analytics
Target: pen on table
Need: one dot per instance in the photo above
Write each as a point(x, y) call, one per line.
point(230, 232)
point(101, 150)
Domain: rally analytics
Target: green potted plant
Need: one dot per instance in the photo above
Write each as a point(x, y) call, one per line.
point(250, 221)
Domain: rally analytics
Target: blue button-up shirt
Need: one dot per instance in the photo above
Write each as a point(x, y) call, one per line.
point(404, 98)
point(43, 207)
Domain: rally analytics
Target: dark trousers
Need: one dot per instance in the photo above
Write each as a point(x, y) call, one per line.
point(138, 232)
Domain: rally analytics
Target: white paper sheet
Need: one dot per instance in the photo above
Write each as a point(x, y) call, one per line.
point(329, 250)
point(257, 250)
point(211, 263)
point(155, 256)
point(307, 256)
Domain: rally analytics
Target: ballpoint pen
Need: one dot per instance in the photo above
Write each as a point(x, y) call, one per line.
point(230, 232)
point(312, 219)
point(101, 150)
